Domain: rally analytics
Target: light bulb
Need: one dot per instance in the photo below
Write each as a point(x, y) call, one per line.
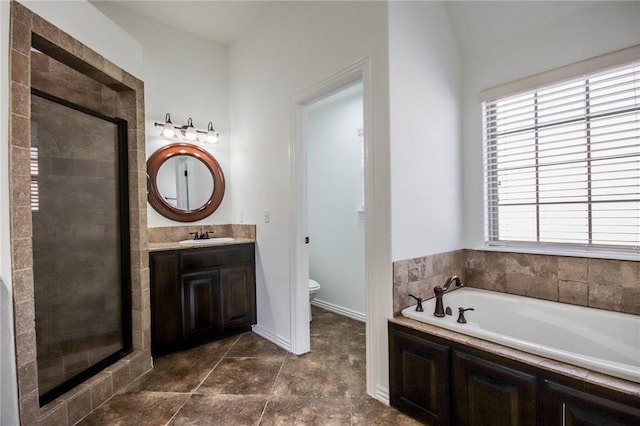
point(168, 131)
point(190, 133)
point(212, 136)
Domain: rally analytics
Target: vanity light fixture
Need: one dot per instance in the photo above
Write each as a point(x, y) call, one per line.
point(190, 133)
point(168, 129)
point(212, 135)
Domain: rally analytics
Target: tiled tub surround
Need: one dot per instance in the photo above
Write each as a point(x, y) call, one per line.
point(94, 82)
point(420, 275)
point(598, 283)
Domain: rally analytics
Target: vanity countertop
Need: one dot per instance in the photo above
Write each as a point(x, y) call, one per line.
point(175, 245)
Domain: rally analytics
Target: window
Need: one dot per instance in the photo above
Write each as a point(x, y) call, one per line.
point(563, 162)
point(34, 169)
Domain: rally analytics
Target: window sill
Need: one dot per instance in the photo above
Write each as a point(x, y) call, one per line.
point(599, 254)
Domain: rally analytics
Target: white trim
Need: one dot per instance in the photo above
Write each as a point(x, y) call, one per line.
point(278, 340)
point(358, 71)
point(382, 394)
point(599, 63)
point(561, 252)
point(358, 316)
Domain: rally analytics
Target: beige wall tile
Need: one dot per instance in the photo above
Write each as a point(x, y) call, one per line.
point(45, 29)
point(25, 315)
point(54, 414)
point(573, 292)
point(70, 44)
point(29, 409)
point(603, 271)
point(20, 13)
point(630, 274)
point(28, 378)
point(573, 269)
point(22, 253)
point(20, 134)
point(20, 100)
point(100, 388)
point(19, 68)
point(400, 272)
point(78, 403)
point(605, 296)
point(25, 348)
point(631, 300)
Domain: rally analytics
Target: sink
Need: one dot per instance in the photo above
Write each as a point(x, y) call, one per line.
point(206, 242)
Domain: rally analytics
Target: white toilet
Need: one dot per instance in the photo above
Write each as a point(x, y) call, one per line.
point(314, 287)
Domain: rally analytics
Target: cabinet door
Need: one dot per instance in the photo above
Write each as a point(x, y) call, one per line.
point(238, 297)
point(562, 405)
point(201, 306)
point(485, 393)
point(166, 312)
point(419, 377)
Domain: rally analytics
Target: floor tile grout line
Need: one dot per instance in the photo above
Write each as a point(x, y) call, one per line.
point(193, 392)
point(350, 410)
point(266, 402)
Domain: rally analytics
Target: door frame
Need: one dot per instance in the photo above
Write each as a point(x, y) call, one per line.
point(299, 270)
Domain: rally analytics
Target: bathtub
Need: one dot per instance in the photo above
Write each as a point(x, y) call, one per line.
point(608, 342)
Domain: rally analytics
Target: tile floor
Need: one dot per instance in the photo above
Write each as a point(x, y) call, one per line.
point(246, 380)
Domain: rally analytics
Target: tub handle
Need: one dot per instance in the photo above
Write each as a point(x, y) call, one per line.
point(419, 300)
point(461, 318)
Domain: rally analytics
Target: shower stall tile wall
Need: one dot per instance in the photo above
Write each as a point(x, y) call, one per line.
point(68, 69)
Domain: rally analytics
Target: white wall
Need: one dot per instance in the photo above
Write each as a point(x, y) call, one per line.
point(85, 23)
point(187, 76)
point(335, 195)
point(425, 92)
point(597, 30)
point(292, 47)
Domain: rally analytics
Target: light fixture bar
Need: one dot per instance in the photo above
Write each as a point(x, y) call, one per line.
point(188, 130)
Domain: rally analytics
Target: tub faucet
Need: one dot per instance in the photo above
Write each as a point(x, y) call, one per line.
point(419, 300)
point(439, 292)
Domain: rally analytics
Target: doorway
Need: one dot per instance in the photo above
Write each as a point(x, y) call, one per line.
point(334, 140)
point(374, 247)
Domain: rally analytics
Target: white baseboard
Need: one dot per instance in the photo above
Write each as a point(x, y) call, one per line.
point(358, 316)
point(278, 340)
point(382, 394)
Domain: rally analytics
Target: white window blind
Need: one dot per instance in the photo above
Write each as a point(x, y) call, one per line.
point(563, 162)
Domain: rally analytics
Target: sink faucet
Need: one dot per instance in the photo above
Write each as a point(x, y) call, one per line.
point(201, 236)
point(439, 292)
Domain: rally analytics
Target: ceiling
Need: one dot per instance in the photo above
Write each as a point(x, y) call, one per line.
point(475, 23)
point(219, 21)
point(481, 23)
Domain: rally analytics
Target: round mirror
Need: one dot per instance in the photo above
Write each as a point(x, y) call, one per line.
point(184, 182)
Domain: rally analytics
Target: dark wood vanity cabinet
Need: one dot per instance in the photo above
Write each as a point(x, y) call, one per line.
point(566, 405)
point(201, 294)
point(420, 387)
point(486, 393)
point(446, 383)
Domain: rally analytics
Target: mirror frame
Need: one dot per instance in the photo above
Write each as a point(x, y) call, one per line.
point(158, 158)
